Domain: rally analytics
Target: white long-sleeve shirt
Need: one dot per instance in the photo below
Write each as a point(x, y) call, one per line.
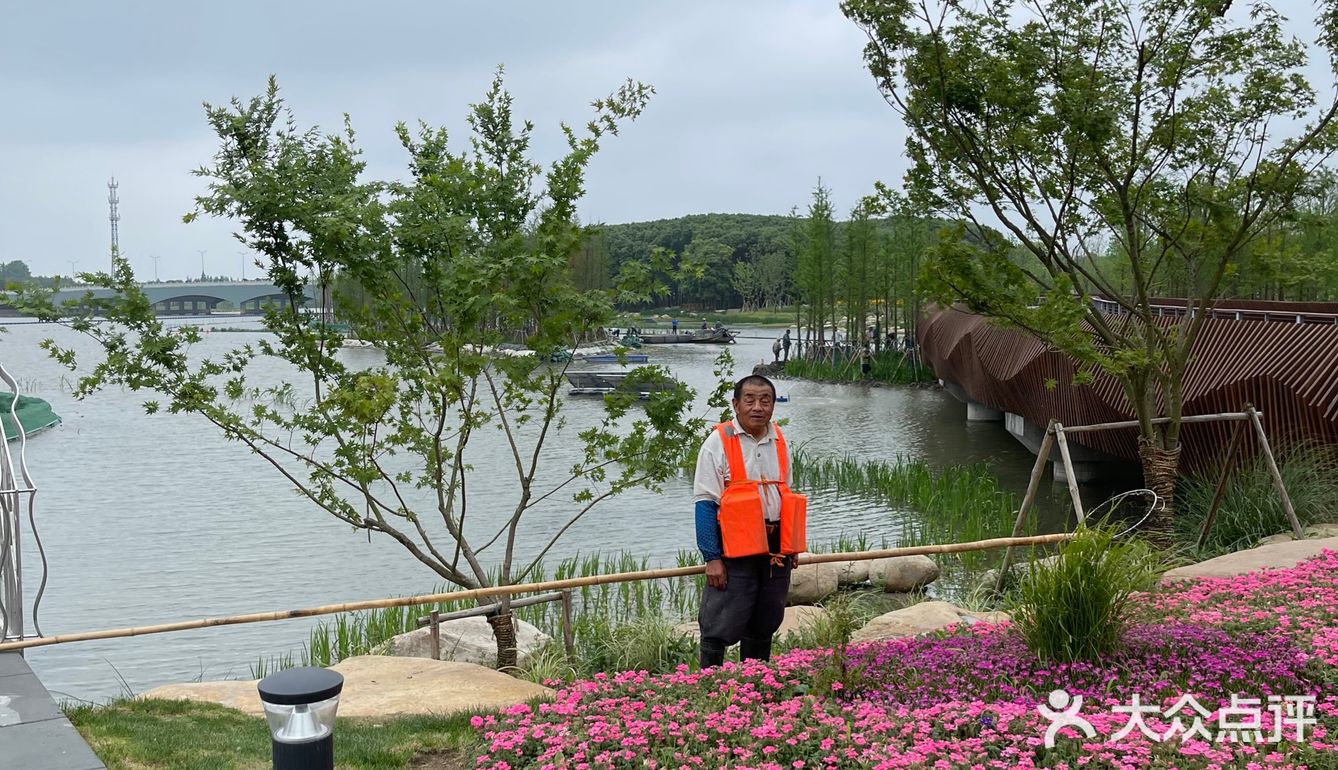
point(760, 461)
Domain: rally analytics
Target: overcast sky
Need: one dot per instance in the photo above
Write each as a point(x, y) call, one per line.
point(755, 100)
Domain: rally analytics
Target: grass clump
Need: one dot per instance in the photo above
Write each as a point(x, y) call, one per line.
point(1074, 608)
point(1251, 508)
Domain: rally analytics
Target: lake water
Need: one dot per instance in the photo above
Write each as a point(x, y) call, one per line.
point(155, 519)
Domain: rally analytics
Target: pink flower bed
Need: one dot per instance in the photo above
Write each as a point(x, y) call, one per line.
point(970, 699)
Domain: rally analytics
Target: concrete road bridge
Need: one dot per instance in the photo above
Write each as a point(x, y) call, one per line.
point(1280, 356)
point(203, 297)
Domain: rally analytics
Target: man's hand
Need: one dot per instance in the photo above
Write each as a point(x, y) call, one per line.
point(715, 574)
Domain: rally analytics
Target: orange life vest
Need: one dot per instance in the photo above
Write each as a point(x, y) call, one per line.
point(742, 518)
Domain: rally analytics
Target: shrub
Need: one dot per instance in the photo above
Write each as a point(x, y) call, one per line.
point(1074, 608)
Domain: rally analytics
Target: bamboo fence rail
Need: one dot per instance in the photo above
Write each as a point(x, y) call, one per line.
point(480, 593)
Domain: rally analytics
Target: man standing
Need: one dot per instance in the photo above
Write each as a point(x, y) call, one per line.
point(750, 526)
point(785, 345)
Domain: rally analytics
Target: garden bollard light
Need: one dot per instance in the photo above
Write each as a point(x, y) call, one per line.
point(300, 706)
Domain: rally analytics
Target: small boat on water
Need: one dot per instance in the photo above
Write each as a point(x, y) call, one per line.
point(718, 336)
point(611, 358)
point(602, 383)
point(34, 415)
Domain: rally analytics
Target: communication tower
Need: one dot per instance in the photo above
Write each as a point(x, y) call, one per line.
point(115, 217)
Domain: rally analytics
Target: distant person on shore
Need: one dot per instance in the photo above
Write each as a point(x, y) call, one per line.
point(704, 323)
point(785, 345)
point(865, 363)
point(776, 350)
point(674, 324)
point(750, 526)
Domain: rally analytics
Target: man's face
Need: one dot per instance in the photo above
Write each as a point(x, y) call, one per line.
point(753, 407)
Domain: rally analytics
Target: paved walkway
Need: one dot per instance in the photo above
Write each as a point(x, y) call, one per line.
point(1273, 556)
point(34, 734)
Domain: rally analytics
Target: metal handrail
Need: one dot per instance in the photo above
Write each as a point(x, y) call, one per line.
point(16, 489)
point(1231, 314)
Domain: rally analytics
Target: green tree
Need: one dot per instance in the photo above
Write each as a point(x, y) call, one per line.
point(705, 274)
point(470, 250)
point(1155, 125)
point(815, 272)
point(16, 272)
point(859, 254)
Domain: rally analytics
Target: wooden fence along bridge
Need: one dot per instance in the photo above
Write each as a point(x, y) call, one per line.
point(1281, 357)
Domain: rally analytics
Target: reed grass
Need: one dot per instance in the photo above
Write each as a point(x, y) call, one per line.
point(955, 504)
point(1251, 508)
point(889, 366)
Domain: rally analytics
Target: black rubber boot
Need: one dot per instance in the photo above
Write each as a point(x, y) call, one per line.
point(712, 652)
point(755, 649)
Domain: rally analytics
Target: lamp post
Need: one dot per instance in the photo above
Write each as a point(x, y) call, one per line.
point(73, 270)
point(155, 267)
point(202, 253)
point(300, 705)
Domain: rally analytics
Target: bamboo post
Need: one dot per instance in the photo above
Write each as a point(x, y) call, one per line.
point(1275, 473)
point(1237, 434)
point(474, 594)
point(1033, 486)
point(568, 633)
point(1068, 472)
point(434, 622)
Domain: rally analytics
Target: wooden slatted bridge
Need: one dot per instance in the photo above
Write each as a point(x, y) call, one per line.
point(1280, 356)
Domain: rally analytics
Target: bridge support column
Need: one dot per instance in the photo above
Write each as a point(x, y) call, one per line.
point(978, 412)
point(1083, 472)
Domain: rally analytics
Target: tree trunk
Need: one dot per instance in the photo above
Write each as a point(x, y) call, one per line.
point(504, 631)
point(1160, 468)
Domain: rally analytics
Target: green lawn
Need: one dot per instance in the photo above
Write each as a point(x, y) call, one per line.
point(182, 735)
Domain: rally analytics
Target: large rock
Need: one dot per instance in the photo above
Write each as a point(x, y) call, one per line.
point(377, 686)
point(1312, 532)
point(811, 583)
point(467, 640)
point(917, 619)
point(1275, 556)
point(851, 573)
point(900, 574)
point(922, 618)
point(796, 619)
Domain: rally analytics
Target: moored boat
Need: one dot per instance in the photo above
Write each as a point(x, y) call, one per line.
point(33, 414)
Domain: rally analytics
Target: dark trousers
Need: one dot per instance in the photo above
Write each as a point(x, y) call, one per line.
point(748, 611)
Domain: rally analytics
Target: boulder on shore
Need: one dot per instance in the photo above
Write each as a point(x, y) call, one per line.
point(467, 640)
point(811, 583)
point(852, 573)
point(902, 574)
point(922, 618)
point(377, 686)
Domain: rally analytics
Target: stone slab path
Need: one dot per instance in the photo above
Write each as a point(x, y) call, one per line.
point(1272, 556)
point(380, 686)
